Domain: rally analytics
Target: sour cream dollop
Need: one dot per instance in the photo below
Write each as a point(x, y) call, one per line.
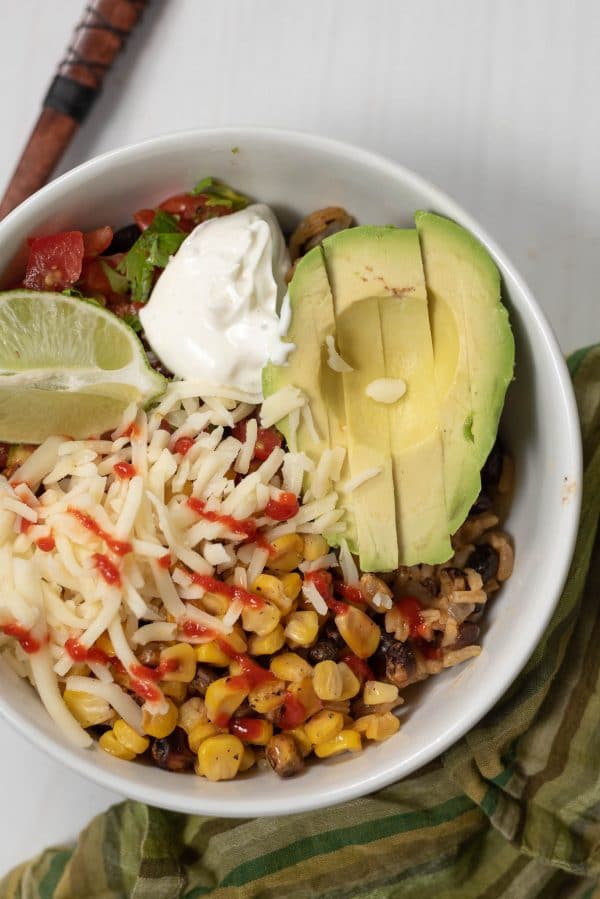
point(220, 309)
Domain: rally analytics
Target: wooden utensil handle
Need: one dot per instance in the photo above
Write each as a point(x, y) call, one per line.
point(97, 41)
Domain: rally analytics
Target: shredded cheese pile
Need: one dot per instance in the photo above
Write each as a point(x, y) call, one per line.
point(106, 535)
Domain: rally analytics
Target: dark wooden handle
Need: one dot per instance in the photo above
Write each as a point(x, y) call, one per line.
point(97, 40)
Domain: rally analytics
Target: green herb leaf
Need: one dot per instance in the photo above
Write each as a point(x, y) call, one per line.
point(151, 250)
point(133, 322)
point(72, 292)
point(118, 283)
point(220, 194)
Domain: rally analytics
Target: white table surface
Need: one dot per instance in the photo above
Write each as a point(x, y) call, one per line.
point(495, 102)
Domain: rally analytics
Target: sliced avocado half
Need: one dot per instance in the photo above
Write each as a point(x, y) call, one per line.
point(474, 353)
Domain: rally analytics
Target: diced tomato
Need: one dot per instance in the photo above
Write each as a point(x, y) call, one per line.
point(359, 667)
point(284, 507)
point(144, 218)
point(183, 445)
point(323, 582)
point(95, 242)
point(55, 261)
point(267, 440)
point(93, 279)
point(185, 205)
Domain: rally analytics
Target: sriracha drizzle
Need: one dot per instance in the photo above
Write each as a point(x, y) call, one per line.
point(212, 585)
point(28, 643)
point(119, 547)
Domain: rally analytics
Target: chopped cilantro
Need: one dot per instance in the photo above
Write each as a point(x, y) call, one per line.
point(151, 250)
point(133, 322)
point(118, 283)
point(72, 292)
point(220, 194)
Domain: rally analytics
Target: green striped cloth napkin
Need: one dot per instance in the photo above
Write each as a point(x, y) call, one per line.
point(512, 810)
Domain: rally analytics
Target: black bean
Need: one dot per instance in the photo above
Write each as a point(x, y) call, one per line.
point(394, 660)
point(283, 755)
point(323, 651)
point(123, 240)
point(204, 677)
point(149, 654)
point(491, 471)
point(484, 560)
point(330, 632)
point(4, 448)
point(173, 752)
point(468, 633)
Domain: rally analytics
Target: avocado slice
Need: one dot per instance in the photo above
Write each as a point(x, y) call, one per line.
point(312, 321)
point(473, 349)
point(381, 310)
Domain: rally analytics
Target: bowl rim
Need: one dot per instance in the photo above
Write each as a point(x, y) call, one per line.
point(271, 804)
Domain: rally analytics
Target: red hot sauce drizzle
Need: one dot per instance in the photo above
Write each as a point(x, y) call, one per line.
point(81, 653)
point(107, 569)
point(45, 544)
point(212, 585)
point(29, 644)
point(246, 527)
point(119, 547)
point(324, 584)
point(124, 470)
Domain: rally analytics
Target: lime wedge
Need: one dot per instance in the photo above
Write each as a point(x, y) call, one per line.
point(67, 366)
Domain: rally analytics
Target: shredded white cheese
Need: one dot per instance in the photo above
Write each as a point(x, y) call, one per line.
point(334, 360)
point(386, 390)
point(354, 483)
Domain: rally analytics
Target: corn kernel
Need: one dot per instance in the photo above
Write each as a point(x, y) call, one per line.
point(323, 726)
point(327, 680)
point(267, 696)
point(346, 740)
point(267, 645)
point(287, 552)
point(292, 584)
point(301, 738)
point(261, 621)
point(215, 604)
point(220, 757)
point(248, 759)
point(350, 682)
point(377, 727)
point(222, 699)
point(182, 658)
point(200, 733)
point(302, 628)
point(236, 640)
point(128, 738)
point(359, 631)
point(87, 708)
point(191, 713)
point(315, 546)
point(212, 654)
point(376, 692)
point(303, 690)
point(271, 588)
point(257, 731)
point(289, 666)
point(105, 644)
point(177, 690)
point(160, 726)
point(110, 744)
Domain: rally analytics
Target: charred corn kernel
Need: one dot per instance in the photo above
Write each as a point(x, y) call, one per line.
point(376, 691)
point(261, 621)
point(110, 744)
point(359, 631)
point(191, 713)
point(315, 546)
point(377, 727)
point(160, 726)
point(323, 726)
point(304, 692)
point(292, 584)
point(200, 733)
point(248, 759)
point(220, 757)
point(87, 708)
point(290, 666)
point(350, 682)
point(177, 690)
point(345, 741)
point(105, 644)
point(301, 738)
point(215, 603)
point(128, 738)
point(212, 654)
point(222, 698)
point(267, 645)
point(182, 658)
point(267, 696)
point(302, 628)
point(287, 552)
point(327, 680)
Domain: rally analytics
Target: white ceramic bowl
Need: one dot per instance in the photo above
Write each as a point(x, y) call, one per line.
point(297, 173)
